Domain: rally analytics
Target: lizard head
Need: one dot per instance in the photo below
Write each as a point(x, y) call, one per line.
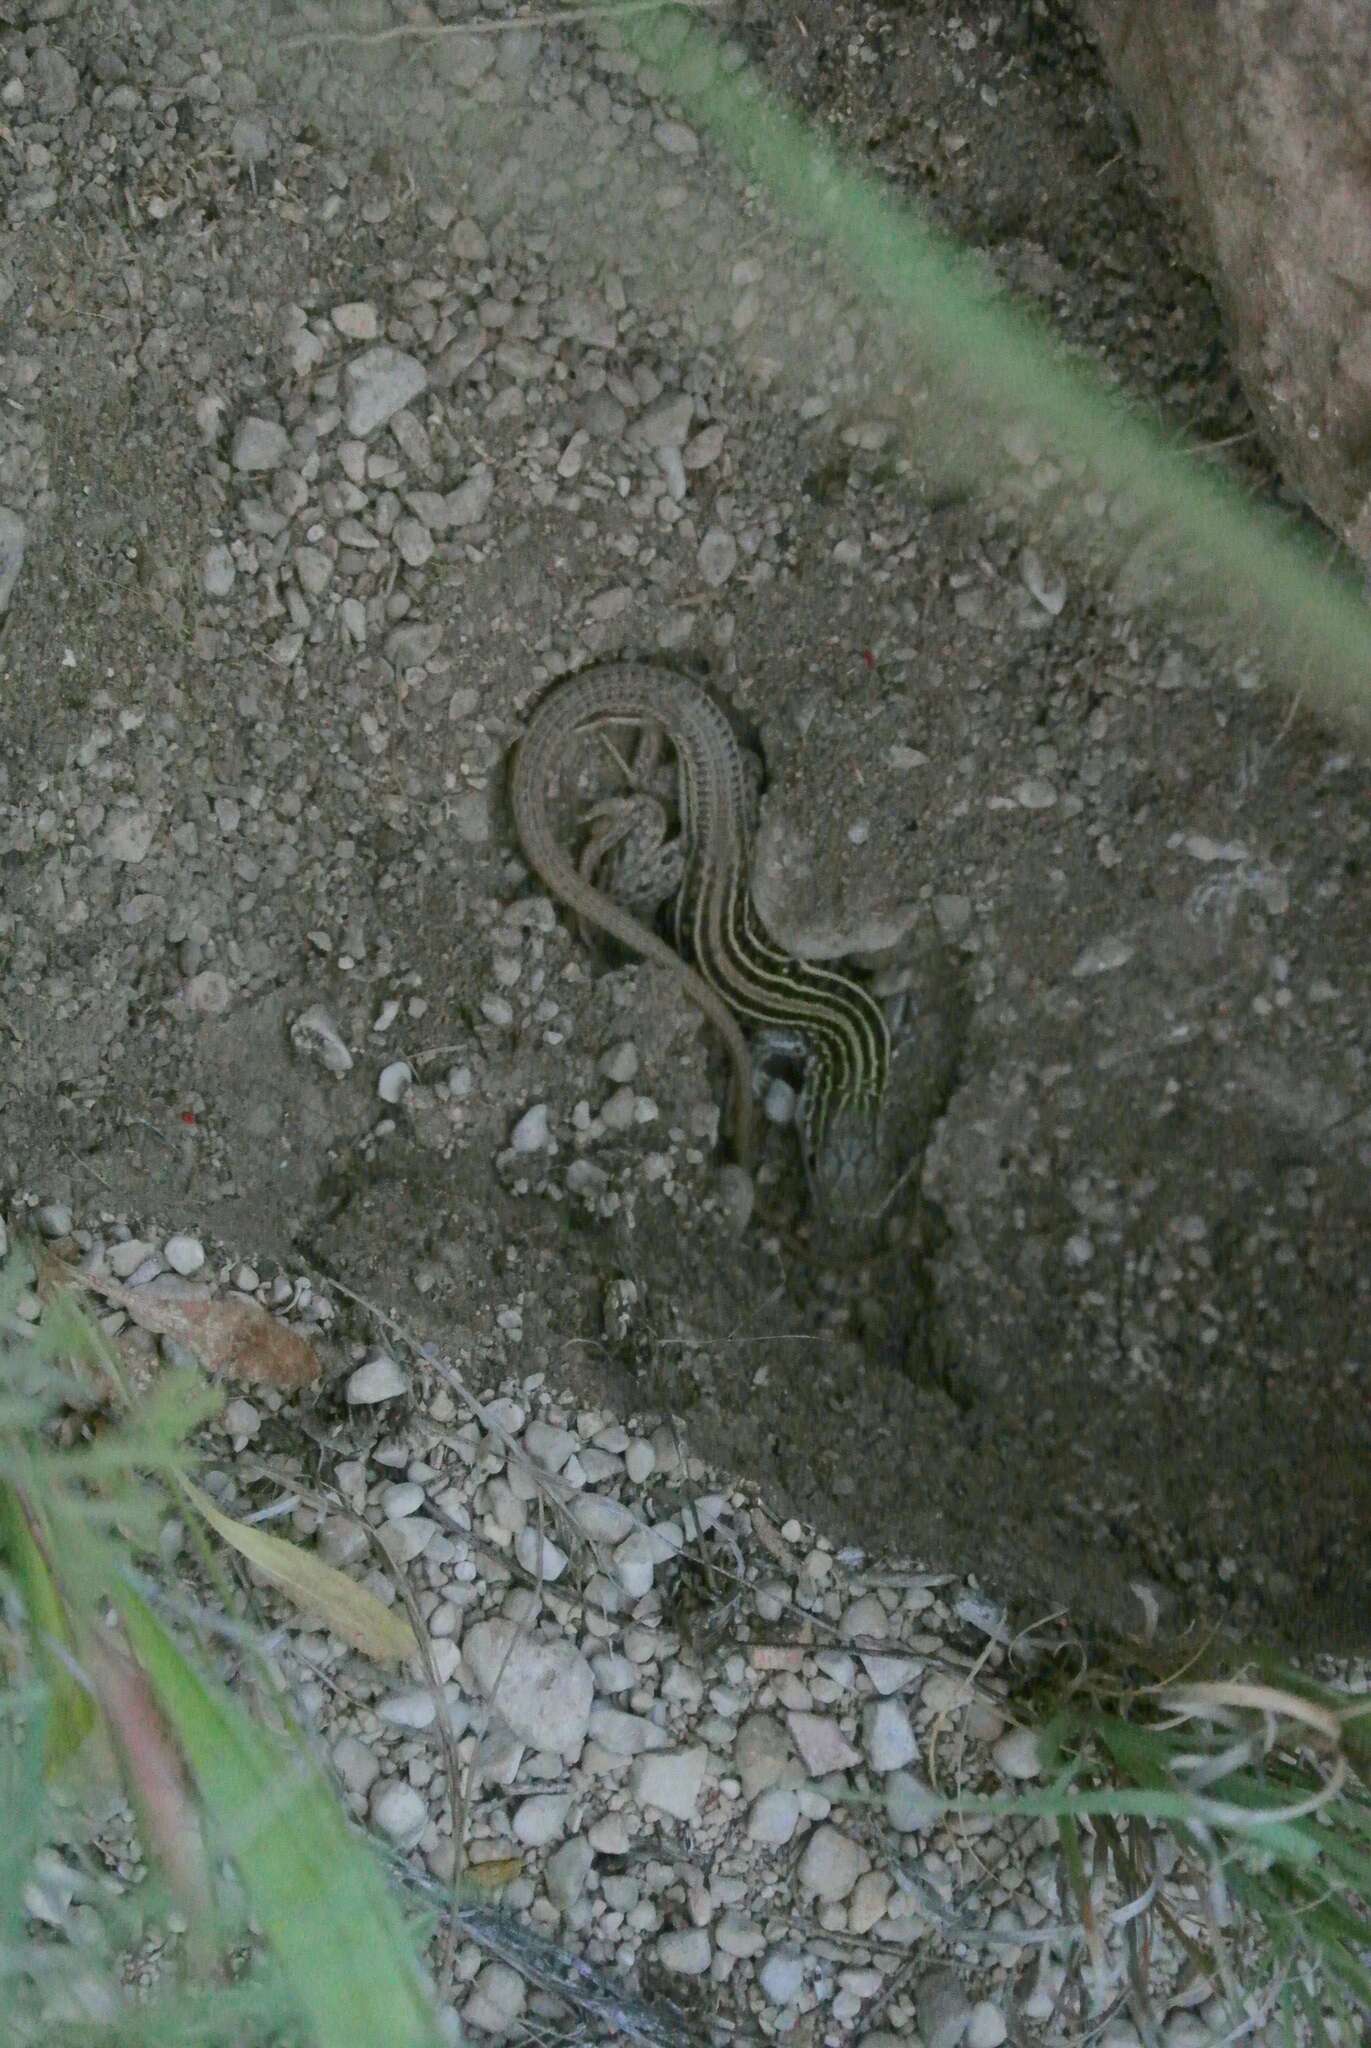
point(847, 1167)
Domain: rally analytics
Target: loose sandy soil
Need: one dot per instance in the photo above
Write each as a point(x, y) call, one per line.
point(257, 692)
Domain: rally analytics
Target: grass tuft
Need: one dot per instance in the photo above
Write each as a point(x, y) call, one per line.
point(252, 1855)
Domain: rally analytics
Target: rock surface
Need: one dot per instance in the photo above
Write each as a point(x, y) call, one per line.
point(1260, 118)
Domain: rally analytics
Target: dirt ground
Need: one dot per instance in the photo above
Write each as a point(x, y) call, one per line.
point(260, 680)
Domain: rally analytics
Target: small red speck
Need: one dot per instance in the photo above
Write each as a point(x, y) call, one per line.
point(868, 657)
point(188, 1116)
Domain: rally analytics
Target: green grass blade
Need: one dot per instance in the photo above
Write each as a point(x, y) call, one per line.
point(23, 1744)
point(993, 361)
point(317, 1896)
point(71, 1713)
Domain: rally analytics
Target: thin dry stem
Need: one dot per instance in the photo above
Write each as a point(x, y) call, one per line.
point(428, 31)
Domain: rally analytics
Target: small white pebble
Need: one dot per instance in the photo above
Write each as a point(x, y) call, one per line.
point(778, 1104)
point(218, 572)
point(988, 2027)
point(635, 1562)
point(404, 1498)
point(620, 1062)
point(640, 1460)
point(670, 1780)
point(395, 1081)
point(718, 556)
point(539, 1555)
point(541, 1819)
point(241, 1419)
point(185, 1255)
point(496, 2002)
point(782, 1976)
point(380, 1379)
point(1016, 1753)
point(619, 1111)
point(774, 1817)
point(125, 1259)
point(399, 1811)
point(737, 1197)
point(1048, 586)
point(888, 1737)
point(531, 1132)
point(685, 1950)
point(413, 1709)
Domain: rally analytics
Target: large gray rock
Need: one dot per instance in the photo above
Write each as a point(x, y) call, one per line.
point(1259, 114)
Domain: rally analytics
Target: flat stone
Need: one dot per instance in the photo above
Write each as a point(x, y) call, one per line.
point(399, 1812)
point(314, 569)
point(736, 1935)
point(774, 1816)
point(888, 1737)
point(541, 1819)
point(358, 320)
point(378, 385)
point(670, 1780)
point(218, 571)
point(685, 1950)
point(124, 1259)
point(821, 1743)
point(666, 424)
point(601, 1520)
point(1016, 1753)
point(889, 1674)
point(782, 1976)
point(129, 837)
point(259, 444)
point(58, 82)
point(471, 499)
point(831, 1864)
point(185, 1255)
point(676, 139)
point(762, 1752)
point(718, 556)
point(910, 1804)
point(988, 2027)
point(415, 1708)
point(531, 1133)
point(625, 1734)
point(380, 1379)
point(542, 1691)
point(566, 1871)
point(497, 1999)
point(540, 1557)
point(943, 2008)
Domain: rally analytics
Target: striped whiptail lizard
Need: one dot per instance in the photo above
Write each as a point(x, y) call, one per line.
point(723, 959)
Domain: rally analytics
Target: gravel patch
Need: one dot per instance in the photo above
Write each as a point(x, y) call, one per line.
point(750, 1807)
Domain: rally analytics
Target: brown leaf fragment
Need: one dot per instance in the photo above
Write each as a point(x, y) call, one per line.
point(235, 1338)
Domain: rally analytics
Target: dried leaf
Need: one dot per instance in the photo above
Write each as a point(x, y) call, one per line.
point(493, 1876)
point(155, 1774)
point(233, 1337)
point(339, 1602)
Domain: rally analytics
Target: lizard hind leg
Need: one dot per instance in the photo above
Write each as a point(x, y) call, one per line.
point(631, 855)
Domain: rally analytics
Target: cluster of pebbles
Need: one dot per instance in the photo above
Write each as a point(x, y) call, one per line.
point(721, 1757)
